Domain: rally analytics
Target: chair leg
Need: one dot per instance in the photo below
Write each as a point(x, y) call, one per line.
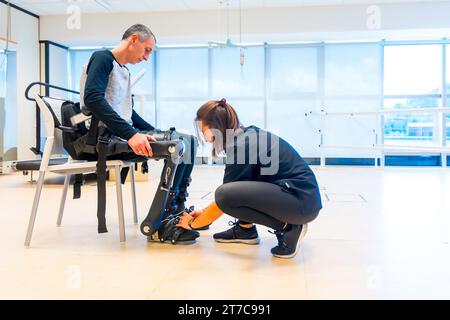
point(133, 196)
point(120, 204)
point(37, 196)
point(63, 200)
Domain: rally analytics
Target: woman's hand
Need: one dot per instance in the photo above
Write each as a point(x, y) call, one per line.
point(185, 219)
point(196, 213)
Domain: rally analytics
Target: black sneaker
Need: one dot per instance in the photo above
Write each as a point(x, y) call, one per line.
point(238, 234)
point(169, 232)
point(289, 241)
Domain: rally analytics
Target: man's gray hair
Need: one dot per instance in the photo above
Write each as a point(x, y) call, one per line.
point(142, 31)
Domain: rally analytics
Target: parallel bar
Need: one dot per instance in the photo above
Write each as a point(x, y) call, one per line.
point(393, 111)
point(413, 96)
point(416, 42)
point(390, 148)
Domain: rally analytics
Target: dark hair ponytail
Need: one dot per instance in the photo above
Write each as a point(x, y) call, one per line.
point(221, 116)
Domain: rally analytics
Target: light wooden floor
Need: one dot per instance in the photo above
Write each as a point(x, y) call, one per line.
point(382, 234)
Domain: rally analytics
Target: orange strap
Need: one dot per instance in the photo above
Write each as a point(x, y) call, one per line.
point(210, 214)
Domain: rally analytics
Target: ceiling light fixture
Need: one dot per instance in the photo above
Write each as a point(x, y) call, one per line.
point(228, 43)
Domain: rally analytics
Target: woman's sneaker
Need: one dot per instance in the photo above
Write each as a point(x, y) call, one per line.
point(238, 234)
point(289, 241)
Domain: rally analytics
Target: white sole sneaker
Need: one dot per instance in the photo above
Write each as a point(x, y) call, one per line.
point(245, 241)
point(300, 239)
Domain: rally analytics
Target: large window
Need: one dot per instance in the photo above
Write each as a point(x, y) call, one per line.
point(293, 71)
point(182, 86)
point(279, 86)
point(413, 79)
point(78, 59)
point(230, 79)
point(352, 84)
point(2, 101)
point(8, 106)
point(143, 90)
point(242, 86)
point(447, 129)
point(412, 69)
point(447, 50)
point(285, 117)
point(410, 129)
point(182, 73)
point(293, 91)
point(352, 70)
point(2, 74)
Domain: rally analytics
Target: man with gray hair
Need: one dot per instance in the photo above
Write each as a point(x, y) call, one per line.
point(105, 90)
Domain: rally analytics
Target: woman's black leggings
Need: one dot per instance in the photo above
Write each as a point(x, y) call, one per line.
point(261, 203)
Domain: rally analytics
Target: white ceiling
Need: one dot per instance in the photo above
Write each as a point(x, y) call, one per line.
point(50, 7)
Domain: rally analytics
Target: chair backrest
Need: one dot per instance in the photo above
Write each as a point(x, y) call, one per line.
point(69, 110)
point(60, 133)
point(60, 116)
point(51, 111)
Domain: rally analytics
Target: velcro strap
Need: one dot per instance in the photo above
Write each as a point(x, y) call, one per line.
point(124, 174)
point(77, 186)
point(102, 148)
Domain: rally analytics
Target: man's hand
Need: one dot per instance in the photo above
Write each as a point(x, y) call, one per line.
point(139, 144)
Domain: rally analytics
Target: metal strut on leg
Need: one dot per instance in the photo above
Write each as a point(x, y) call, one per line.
point(171, 151)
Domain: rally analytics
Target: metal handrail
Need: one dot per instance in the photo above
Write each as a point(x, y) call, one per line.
point(47, 85)
point(379, 112)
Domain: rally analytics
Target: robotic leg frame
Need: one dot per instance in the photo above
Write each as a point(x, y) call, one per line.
point(170, 151)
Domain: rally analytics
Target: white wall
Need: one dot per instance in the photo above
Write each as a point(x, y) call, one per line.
point(24, 30)
point(407, 20)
